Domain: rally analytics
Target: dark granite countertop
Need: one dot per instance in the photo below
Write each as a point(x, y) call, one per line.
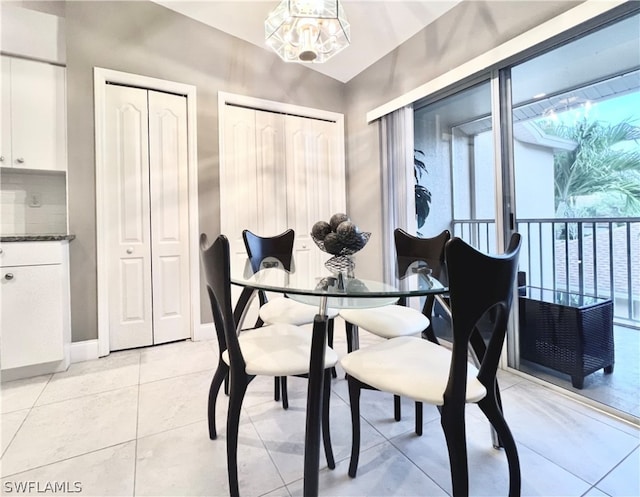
point(36, 238)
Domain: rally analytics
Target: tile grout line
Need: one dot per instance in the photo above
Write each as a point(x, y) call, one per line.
point(615, 467)
point(25, 418)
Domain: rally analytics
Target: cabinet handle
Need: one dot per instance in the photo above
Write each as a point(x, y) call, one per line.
point(8, 276)
point(130, 250)
point(20, 160)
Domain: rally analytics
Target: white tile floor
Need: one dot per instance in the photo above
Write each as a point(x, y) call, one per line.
point(134, 423)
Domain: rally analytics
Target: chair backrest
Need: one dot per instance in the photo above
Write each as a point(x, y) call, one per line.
point(411, 249)
point(278, 247)
point(216, 261)
point(480, 286)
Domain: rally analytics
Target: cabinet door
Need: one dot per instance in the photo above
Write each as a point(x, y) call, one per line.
point(38, 129)
point(32, 322)
point(5, 150)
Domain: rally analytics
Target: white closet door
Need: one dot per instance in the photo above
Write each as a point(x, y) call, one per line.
point(169, 216)
point(127, 192)
point(315, 185)
point(253, 176)
point(271, 173)
point(280, 171)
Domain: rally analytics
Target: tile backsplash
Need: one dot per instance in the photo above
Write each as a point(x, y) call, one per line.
point(32, 202)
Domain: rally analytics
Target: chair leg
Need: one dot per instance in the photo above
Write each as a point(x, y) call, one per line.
point(494, 414)
point(397, 415)
point(226, 385)
point(221, 374)
point(334, 374)
point(453, 425)
point(276, 389)
point(354, 401)
point(326, 432)
point(351, 331)
point(238, 389)
point(419, 422)
point(497, 443)
point(285, 394)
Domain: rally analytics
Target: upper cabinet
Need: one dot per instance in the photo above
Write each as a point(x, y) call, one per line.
point(33, 115)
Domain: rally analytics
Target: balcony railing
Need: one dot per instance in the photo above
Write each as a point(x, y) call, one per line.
point(591, 256)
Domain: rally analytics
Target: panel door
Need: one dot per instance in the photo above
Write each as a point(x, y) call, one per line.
point(38, 115)
point(315, 185)
point(169, 216)
point(31, 315)
point(253, 176)
point(128, 219)
point(5, 145)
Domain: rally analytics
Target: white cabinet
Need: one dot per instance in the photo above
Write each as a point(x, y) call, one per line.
point(34, 303)
point(33, 115)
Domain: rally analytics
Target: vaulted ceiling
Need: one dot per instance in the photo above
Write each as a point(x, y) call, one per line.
point(377, 26)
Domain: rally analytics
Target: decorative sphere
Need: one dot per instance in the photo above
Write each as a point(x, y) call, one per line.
point(347, 232)
point(320, 230)
point(336, 219)
point(359, 241)
point(332, 244)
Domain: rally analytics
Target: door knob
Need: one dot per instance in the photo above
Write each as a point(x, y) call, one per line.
point(8, 276)
point(20, 160)
point(1, 158)
point(130, 250)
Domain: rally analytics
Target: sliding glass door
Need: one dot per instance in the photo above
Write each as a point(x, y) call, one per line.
point(576, 150)
point(564, 171)
point(454, 166)
point(454, 142)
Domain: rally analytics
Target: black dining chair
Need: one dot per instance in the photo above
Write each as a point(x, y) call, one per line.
point(274, 350)
point(399, 320)
point(479, 285)
point(280, 309)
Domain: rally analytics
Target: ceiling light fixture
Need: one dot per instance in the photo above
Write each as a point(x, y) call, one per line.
point(307, 30)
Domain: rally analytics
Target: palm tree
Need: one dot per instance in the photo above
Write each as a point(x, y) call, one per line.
point(596, 165)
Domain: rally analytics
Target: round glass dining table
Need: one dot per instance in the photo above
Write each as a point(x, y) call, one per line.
point(338, 291)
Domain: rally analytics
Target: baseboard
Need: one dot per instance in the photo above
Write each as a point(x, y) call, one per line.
point(85, 350)
point(207, 331)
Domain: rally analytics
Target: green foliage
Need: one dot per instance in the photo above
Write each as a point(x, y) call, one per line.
point(422, 194)
point(598, 167)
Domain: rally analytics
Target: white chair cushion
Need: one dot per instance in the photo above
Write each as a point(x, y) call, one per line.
point(389, 321)
point(278, 350)
point(288, 311)
point(410, 367)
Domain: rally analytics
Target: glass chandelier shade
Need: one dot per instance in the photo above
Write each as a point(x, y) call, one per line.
point(307, 30)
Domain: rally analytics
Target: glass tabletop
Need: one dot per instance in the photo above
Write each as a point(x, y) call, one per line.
point(342, 289)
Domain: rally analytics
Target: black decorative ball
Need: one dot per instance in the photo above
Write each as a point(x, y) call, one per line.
point(360, 240)
point(336, 219)
point(320, 230)
point(347, 233)
point(332, 244)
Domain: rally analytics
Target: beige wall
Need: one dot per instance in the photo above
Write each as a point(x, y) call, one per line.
point(147, 39)
point(466, 31)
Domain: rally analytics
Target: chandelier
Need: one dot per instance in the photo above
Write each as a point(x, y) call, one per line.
point(307, 30)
